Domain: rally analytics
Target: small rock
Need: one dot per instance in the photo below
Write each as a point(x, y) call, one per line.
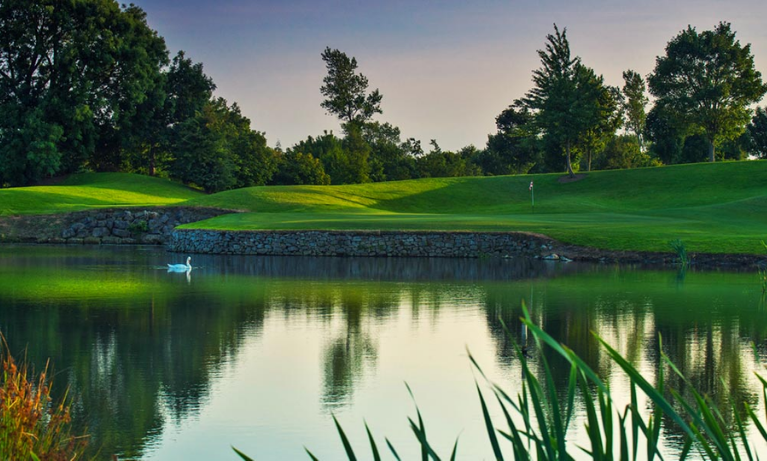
point(100, 232)
point(153, 239)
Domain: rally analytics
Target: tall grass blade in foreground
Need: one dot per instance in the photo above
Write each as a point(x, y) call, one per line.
point(538, 423)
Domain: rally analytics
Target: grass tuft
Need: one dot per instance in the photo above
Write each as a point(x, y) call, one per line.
point(32, 426)
point(680, 250)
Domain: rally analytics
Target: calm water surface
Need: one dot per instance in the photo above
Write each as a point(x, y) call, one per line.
point(259, 352)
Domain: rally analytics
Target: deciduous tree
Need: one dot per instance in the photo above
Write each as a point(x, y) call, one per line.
point(298, 168)
point(757, 133)
point(77, 68)
point(708, 81)
point(606, 119)
point(513, 149)
point(634, 104)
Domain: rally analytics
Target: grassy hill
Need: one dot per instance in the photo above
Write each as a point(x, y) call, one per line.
point(711, 207)
point(719, 208)
point(93, 190)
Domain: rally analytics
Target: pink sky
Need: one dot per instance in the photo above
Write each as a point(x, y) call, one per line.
point(446, 68)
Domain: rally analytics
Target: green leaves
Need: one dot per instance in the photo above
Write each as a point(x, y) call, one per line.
point(569, 100)
point(87, 74)
point(345, 91)
point(708, 81)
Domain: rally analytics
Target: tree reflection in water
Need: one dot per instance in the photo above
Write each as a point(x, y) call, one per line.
point(141, 350)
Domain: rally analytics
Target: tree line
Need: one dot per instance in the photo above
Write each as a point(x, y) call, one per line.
point(89, 86)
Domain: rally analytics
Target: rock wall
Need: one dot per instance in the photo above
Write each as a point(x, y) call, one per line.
point(134, 226)
point(359, 243)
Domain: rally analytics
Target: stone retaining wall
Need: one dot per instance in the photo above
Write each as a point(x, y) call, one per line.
point(359, 243)
point(428, 244)
point(112, 226)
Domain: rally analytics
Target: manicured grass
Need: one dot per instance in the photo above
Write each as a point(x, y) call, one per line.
point(718, 208)
point(93, 190)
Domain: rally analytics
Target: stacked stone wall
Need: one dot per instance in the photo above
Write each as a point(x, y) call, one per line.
point(134, 226)
point(360, 243)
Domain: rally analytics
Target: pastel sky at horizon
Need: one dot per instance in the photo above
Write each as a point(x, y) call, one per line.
point(445, 68)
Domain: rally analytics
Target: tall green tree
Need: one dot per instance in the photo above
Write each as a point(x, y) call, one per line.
point(189, 89)
point(200, 153)
point(79, 69)
point(513, 149)
point(217, 150)
point(564, 100)
point(389, 159)
point(606, 119)
point(298, 168)
point(133, 94)
point(757, 134)
point(185, 90)
point(346, 91)
point(708, 81)
point(634, 103)
point(254, 161)
point(666, 135)
point(623, 152)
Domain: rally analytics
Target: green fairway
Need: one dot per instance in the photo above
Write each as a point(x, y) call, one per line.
point(718, 208)
point(93, 190)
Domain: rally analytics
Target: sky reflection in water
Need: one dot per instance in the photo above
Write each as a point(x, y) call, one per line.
point(257, 352)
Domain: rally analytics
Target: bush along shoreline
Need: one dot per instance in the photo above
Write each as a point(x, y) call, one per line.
point(536, 419)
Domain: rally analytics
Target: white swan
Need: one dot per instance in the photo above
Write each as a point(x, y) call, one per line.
point(181, 267)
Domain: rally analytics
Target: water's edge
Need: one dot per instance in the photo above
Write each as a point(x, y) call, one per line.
point(157, 225)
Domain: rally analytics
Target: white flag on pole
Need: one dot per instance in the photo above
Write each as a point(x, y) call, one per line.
point(531, 185)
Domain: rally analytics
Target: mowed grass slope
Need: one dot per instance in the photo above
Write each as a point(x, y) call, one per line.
point(93, 190)
point(720, 208)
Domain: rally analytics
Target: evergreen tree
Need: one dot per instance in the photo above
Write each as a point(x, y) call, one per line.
point(564, 100)
point(345, 90)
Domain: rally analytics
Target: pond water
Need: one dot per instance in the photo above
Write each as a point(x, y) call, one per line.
point(259, 352)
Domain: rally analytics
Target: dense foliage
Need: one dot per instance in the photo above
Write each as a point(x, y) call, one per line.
point(89, 86)
point(707, 82)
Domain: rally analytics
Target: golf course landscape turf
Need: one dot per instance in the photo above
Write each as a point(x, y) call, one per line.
point(93, 190)
point(712, 208)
